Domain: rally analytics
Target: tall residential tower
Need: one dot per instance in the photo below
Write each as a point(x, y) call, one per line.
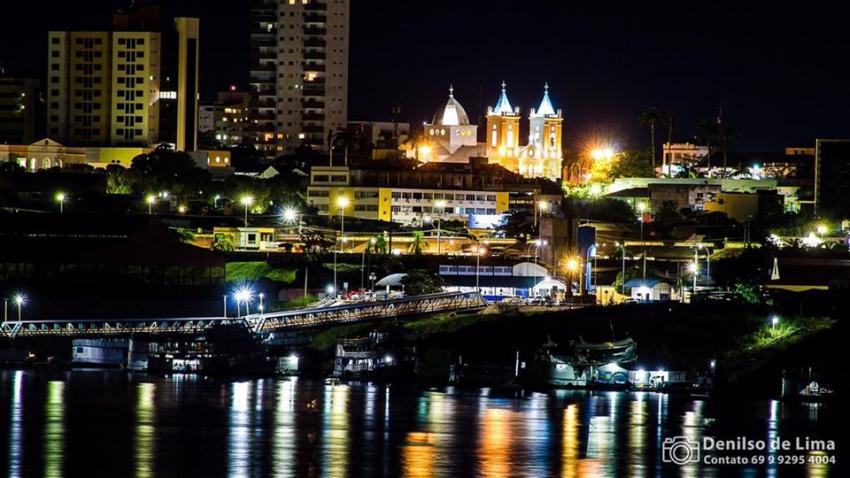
point(299, 72)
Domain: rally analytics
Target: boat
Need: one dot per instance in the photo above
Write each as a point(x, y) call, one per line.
point(582, 365)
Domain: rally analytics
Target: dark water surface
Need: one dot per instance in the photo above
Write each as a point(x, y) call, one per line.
point(115, 424)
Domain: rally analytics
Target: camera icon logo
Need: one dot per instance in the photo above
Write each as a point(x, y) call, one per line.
point(680, 450)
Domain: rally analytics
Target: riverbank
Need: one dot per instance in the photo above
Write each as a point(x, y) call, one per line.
point(748, 351)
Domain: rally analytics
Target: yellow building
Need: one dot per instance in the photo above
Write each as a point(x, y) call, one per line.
point(541, 157)
point(78, 84)
point(544, 154)
point(188, 31)
point(451, 138)
point(503, 133)
point(103, 87)
point(46, 153)
point(135, 88)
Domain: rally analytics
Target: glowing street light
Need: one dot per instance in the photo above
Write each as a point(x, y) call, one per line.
point(290, 215)
point(150, 199)
point(216, 198)
point(60, 198)
point(606, 153)
point(246, 201)
point(243, 294)
point(822, 229)
point(181, 209)
point(19, 300)
point(773, 321)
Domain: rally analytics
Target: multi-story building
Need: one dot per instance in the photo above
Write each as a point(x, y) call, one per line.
point(832, 175)
point(542, 156)
point(19, 110)
point(451, 138)
point(106, 87)
point(413, 197)
point(677, 157)
point(188, 52)
point(299, 72)
point(226, 119)
point(103, 88)
point(135, 88)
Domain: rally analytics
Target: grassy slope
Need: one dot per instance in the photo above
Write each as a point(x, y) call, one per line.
point(669, 336)
point(253, 271)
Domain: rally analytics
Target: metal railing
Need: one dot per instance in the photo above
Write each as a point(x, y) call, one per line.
point(257, 323)
point(364, 311)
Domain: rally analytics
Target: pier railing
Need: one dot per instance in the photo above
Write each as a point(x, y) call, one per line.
point(257, 323)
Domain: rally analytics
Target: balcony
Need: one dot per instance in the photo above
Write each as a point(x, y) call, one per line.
point(312, 103)
point(314, 55)
point(315, 18)
point(313, 116)
point(313, 90)
point(313, 128)
point(315, 6)
point(314, 42)
point(310, 66)
point(315, 31)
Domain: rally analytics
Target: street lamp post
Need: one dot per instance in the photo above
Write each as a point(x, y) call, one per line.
point(150, 199)
point(773, 321)
point(442, 206)
point(541, 206)
point(20, 300)
point(372, 278)
point(246, 201)
point(478, 251)
point(60, 198)
point(642, 208)
point(372, 242)
point(341, 203)
point(623, 281)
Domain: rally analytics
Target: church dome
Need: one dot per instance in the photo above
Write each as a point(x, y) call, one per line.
point(452, 113)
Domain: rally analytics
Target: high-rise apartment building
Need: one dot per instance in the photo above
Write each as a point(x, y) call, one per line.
point(299, 72)
point(136, 85)
point(20, 110)
point(188, 32)
point(135, 88)
point(103, 87)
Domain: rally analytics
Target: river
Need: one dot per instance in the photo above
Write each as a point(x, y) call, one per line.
point(99, 423)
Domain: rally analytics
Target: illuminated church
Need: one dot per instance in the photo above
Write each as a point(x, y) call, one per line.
point(451, 137)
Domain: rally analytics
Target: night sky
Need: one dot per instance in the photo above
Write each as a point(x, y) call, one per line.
point(781, 73)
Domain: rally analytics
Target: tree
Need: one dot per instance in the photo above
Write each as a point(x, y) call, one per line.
point(223, 243)
point(118, 180)
point(707, 135)
point(519, 225)
point(315, 243)
point(417, 243)
point(602, 209)
point(633, 164)
point(667, 215)
point(651, 118)
point(380, 246)
point(419, 282)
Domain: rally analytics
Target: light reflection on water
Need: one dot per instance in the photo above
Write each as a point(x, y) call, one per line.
point(296, 427)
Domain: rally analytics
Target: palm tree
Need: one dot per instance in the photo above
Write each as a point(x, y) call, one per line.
point(418, 242)
point(651, 117)
point(725, 135)
point(707, 134)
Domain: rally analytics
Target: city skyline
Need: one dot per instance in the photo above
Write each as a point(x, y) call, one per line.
point(603, 69)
